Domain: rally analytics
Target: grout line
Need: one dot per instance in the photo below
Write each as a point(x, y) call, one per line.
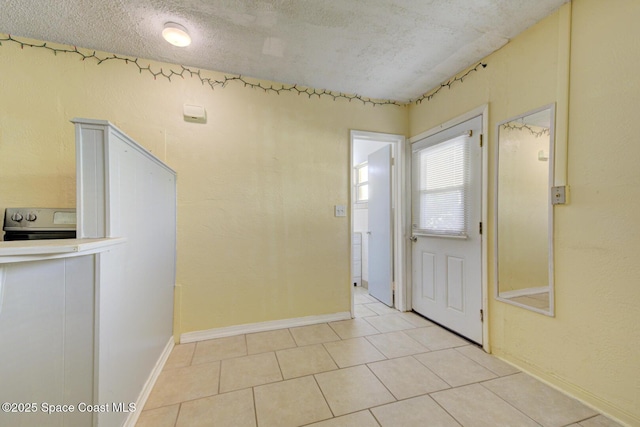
point(246, 344)
point(323, 396)
point(255, 407)
point(472, 362)
point(445, 409)
point(499, 397)
point(331, 356)
point(295, 341)
point(219, 376)
point(433, 372)
point(175, 422)
point(381, 382)
point(586, 419)
point(374, 417)
point(193, 355)
point(275, 354)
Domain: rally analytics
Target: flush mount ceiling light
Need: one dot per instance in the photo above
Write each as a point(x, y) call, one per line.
point(176, 34)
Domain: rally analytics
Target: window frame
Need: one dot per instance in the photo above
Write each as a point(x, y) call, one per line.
point(462, 189)
point(359, 184)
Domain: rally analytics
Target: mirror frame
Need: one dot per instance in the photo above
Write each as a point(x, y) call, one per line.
point(552, 146)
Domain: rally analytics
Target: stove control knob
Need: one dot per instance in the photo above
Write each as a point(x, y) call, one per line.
point(16, 217)
point(31, 216)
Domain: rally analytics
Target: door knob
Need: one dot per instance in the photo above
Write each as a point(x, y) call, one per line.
point(413, 238)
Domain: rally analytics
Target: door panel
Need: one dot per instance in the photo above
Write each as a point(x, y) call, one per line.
point(447, 210)
point(429, 275)
point(455, 284)
point(380, 226)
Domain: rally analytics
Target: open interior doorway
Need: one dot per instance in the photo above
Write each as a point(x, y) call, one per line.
point(378, 237)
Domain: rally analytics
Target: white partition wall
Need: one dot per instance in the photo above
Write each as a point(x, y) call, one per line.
point(46, 331)
point(124, 191)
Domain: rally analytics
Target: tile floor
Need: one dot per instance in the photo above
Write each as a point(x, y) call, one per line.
point(383, 368)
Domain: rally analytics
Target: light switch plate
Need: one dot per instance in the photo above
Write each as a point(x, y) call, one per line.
point(558, 195)
point(341, 210)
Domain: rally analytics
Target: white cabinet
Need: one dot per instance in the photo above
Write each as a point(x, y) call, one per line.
point(46, 331)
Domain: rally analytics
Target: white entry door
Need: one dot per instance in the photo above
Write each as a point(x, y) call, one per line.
point(380, 226)
point(446, 228)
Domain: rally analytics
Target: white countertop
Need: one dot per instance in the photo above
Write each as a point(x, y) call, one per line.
point(29, 250)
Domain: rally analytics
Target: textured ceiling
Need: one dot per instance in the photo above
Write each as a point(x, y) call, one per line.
point(387, 49)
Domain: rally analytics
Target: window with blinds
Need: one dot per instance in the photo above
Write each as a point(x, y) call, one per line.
point(444, 188)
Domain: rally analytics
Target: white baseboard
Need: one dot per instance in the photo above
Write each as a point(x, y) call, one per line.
point(524, 292)
point(261, 327)
point(132, 419)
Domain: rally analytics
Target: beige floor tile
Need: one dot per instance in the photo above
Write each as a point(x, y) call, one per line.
point(352, 389)
point(360, 310)
point(353, 328)
point(363, 298)
point(249, 371)
point(547, 406)
point(419, 411)
point(263, 342)
point(290, 403)
point(160, 417)
point(355, 351)
point(454, 368)
point(381, 308)
point(475, 406)
point(358, 419)
point(219, 349)
point(180, 356)
point(435, 338)
point(389, 322)
point(313, 334)
point(406, 377)
point(228, 409)
point(302, 361)
point(490, 362)
point(416, 320)
point(599, 421)
point(396, 344)
point(187, 383)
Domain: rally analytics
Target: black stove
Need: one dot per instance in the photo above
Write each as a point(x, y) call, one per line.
point(39, 223)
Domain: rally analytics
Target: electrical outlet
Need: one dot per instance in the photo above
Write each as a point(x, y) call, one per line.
point(341, 210)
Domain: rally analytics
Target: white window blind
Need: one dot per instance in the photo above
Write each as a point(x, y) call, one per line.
point(443, 187)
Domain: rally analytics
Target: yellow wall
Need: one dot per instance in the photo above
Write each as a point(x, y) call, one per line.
point(257, 236)
point(257, 239)
point(591, 347)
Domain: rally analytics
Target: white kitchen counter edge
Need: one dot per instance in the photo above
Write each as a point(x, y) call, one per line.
point(34, 250)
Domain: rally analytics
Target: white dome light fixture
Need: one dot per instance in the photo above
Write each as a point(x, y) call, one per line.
point(176, 34)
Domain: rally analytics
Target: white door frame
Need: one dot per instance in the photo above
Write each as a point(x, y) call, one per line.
point(400, 217)
point(483, 111)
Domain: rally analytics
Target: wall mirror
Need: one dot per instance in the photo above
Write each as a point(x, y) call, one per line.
point(524, 213)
